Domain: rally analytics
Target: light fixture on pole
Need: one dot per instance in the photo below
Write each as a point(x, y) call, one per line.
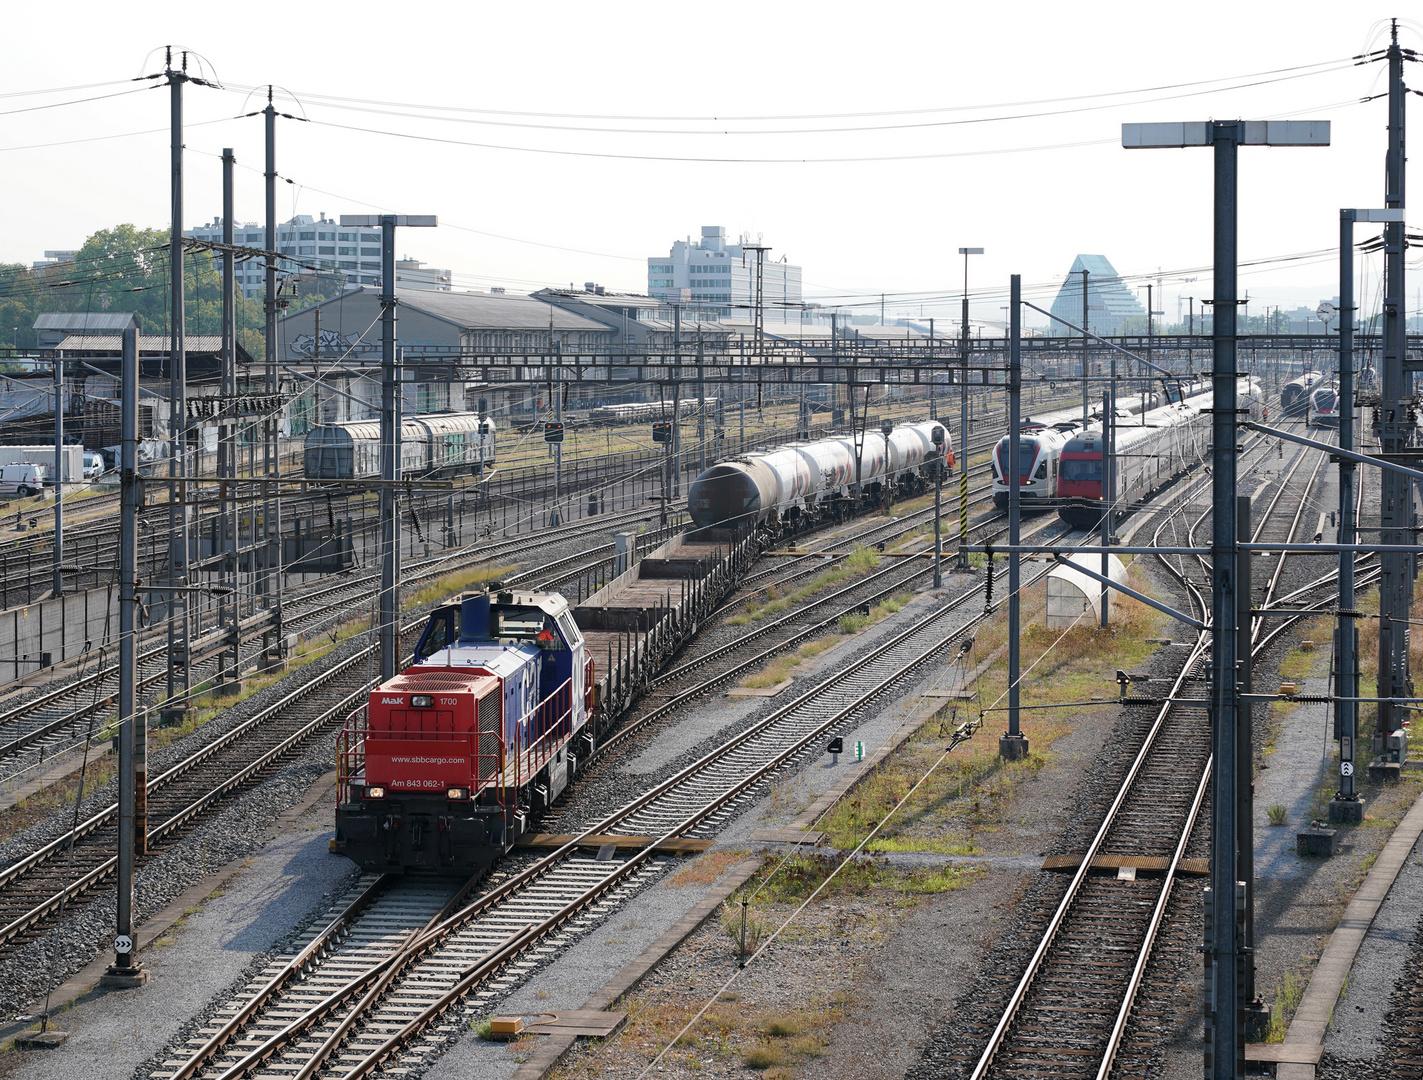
point(1226, 951)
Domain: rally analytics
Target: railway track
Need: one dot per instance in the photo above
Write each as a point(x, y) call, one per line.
point(49, 724)
point(1068, 1012)
point(356, 1013)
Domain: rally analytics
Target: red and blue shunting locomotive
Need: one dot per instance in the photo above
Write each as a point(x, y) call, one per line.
point(447, 761)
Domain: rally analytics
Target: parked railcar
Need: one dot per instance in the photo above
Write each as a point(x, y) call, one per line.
point(1294, 395)
point(635, 412)
point(1323, 407)
point(1145, 456)
point(444, 765)
point(791, 485)
point(431, 444)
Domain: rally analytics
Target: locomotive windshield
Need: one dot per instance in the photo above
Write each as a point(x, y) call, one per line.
point(1324, 399)
point(518, 622)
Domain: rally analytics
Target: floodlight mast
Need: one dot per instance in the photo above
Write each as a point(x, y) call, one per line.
point(1225, 948)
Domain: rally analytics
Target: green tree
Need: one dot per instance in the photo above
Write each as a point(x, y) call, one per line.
point(127, 269)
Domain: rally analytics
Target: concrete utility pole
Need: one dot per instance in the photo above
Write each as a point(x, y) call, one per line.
point(677, 399)
point(556, 355)
point(390, 423)
point(701, 404)
point(1013, 745)
point(1086, 411)
point(177, 404)
point(1396, 512)
point(940, 438)
point(1109, 489)
point(1346, 806)
point(1225, 947)
point(227, 434)
point(59, 476)
point(963, 413)
point(270, 571)
point(125, 971)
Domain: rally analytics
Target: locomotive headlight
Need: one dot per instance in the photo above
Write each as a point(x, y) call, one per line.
point(421, 701)
point(457, 793)
point(375, 792)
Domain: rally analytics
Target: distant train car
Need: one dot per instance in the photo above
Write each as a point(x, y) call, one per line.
point(1145, 456)
point(431, 444)
point(1294, 395)
point(1323, 407)
point(794, 485)
point(637, 412)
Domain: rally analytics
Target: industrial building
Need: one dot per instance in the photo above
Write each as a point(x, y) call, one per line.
point(714, 278)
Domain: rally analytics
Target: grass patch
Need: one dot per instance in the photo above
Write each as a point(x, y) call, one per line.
point(801, 875)
point(857, 621)
point(777, 671)
point(1287, 999)
point(783, 667)
point(1277, 814)
point(705, 868)
point(764, 1056)
point(440, 588)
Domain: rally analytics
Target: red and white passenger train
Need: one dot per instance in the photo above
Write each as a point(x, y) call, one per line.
point(1323, 407)
point(1148, 454)
point(446, 762)
point(1042, 439)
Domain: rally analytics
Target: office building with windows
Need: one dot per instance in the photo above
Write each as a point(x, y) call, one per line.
point(1110, 303)
point(321, 243)
point(716, 279)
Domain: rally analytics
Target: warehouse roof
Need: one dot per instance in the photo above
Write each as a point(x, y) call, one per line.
point(478, 311)
point(76, 322)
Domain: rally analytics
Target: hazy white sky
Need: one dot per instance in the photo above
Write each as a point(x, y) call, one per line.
point(967, 97)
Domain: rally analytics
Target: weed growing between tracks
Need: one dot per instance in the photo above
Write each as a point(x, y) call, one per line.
point(861, 560)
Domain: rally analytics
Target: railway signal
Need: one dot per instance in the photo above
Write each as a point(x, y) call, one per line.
point(661, 433)
point(553, 432)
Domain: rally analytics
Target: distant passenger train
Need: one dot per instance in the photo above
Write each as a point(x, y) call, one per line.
point(1294, 395)
point(1042, 439)
point(1146, 456)
point(1323, 407)
point(431, 444)
point(635, 412)
point(802, 482)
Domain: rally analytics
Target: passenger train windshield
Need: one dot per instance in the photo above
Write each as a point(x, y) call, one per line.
point(1027, 451)
point(1081, 470)
point(1324, 400)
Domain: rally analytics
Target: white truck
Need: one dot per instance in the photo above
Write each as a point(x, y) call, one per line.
point(73, 459)
point(21, 478)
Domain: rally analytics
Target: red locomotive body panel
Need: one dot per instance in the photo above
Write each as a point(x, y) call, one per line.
point(423, 733)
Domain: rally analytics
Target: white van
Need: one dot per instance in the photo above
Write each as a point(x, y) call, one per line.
point(21, 478)
point(93, 464)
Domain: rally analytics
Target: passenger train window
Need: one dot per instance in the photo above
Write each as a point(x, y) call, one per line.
point(1042, 472)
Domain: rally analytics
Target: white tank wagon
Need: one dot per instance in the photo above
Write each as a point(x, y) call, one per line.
point(802, 482)
point(433, 444)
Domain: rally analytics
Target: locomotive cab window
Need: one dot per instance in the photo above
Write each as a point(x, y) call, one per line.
point(520, 624)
